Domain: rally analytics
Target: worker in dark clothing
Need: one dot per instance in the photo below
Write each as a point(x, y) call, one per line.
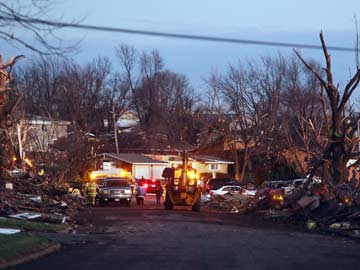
point(354, 181)
point(140, 194)
point(158, 192)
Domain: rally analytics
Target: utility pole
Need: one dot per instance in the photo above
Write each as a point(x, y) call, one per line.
point(115, 130)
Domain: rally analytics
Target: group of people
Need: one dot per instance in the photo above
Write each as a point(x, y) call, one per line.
point(141, 193)
point(91, 189)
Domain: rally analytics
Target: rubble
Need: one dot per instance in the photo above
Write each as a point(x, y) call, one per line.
point(312, 202)
point(9, 186)
point(25, 215)
point(9, 231)
point(40, 200)
point(311, 224)
point(230, 202)
point(318, 206)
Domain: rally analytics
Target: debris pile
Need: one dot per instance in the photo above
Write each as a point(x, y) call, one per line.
point(231, 202)
point(38, 199)
point(316, 206)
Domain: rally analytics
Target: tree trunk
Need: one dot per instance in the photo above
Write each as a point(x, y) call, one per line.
point(244, 165)
point(21, 136)
point(237, 162)
point(338, 163)
point(1, 161)
point(338, 159)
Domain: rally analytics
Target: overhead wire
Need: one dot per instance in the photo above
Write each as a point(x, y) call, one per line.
point(174, 35)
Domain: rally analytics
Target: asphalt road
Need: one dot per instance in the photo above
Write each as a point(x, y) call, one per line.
point(148, 237)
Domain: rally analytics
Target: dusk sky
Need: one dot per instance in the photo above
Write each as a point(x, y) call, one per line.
point(281, 20)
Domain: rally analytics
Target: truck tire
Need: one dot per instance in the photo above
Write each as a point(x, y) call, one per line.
point(196, 206)
point(168, 204)
point(102, 203)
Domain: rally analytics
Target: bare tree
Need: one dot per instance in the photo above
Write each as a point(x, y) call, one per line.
point(162, 99)
point(128, 58)
point(19, 16)
point(303, 121)
point(247, 99)
point(40, 82)
point(63, 90)
point(340, 147)
point(235, 104)
point(268, 112)
point(120, 102)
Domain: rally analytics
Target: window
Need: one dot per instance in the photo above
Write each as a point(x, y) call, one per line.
point(213, 167)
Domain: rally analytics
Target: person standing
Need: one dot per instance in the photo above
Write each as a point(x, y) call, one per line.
point(158, 192)
point(91, 189)
point(354, 181)
point(140, 194)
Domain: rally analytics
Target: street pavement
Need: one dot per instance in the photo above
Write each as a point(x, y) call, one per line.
point(148, 237)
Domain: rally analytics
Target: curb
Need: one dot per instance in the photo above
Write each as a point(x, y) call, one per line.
point(31, 257)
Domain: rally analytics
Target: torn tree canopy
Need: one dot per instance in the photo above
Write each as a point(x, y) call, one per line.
point(341, 138)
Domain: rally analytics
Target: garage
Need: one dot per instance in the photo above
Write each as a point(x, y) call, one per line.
point(139, 165)
point(140, 171)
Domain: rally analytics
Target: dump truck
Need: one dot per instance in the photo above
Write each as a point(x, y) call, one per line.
point(182, 186)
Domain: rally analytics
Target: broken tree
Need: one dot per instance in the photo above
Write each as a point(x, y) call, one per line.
point(341, 145)
point(6, 108)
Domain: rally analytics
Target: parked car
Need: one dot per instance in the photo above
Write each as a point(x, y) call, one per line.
point(233, 189)
point(216, 183)
point(226, 189)
point(150, 184)
point(115, 190)
point(275, 184)
point(292, 184)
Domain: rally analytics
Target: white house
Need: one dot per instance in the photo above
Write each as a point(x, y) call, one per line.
point(138, 165)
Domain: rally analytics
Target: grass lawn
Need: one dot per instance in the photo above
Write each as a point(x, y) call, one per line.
point(31, 225)
point(19, 245)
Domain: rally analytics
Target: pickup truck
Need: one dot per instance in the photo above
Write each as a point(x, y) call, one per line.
point(115, 190)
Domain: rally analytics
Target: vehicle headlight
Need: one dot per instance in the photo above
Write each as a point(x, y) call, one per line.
point(127, 191)
point(105, 191)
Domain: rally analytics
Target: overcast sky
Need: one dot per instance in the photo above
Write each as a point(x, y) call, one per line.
point(295, 21)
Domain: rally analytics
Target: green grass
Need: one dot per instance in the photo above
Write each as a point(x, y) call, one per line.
point(18, 245)
point(31, 225)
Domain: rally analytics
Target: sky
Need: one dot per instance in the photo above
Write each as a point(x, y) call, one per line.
point(278, 20)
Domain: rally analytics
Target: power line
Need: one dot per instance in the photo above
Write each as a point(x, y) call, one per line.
point(173, 35)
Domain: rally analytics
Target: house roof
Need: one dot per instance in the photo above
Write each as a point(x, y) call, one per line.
point(135, 159)
point(43, 120)
point(211, 159)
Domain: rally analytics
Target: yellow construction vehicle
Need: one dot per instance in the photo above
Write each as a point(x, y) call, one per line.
point(182, 186)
